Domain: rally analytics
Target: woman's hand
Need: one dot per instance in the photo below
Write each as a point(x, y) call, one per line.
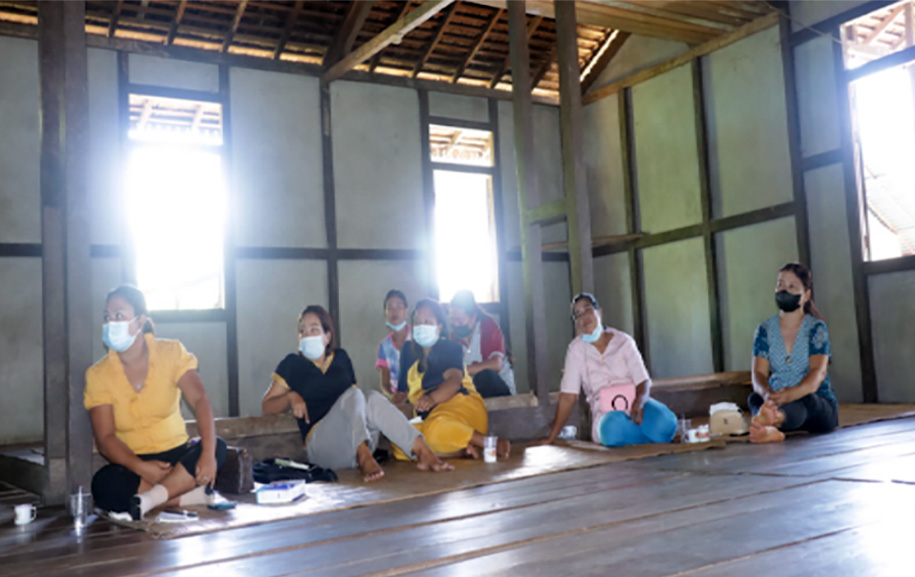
point(297, 403)
point(543, 441)
point(153, 471)
point(638, 408)
point(425, 403)
point(785, 396)
point(206, 470)
point(399, 398)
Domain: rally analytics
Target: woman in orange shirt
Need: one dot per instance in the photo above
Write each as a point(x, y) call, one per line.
point(133, 396)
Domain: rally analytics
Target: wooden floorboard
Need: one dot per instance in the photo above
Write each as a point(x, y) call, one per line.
point(815, 505)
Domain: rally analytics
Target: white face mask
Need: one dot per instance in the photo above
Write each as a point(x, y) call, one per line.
point(312, 347)
point(425, 335)
point(116, 335)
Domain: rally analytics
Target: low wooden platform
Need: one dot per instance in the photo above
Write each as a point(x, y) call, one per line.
point(839, 504)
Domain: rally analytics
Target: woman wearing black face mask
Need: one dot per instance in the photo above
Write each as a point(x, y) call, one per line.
point(791, 389)
point(484, 347)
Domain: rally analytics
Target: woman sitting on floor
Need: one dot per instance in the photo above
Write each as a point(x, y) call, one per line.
point(340, 426)
point(388, 363)
point(432, 372)
point(607, 364)
point(484, 347)
point(133, 396)
point(791, 389)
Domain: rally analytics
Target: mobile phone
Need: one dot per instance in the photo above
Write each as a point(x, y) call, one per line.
point(221, 506)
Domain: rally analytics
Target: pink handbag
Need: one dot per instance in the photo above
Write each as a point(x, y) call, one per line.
point(616, 398)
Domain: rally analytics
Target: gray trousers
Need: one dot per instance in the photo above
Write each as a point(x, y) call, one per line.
point(354, 419)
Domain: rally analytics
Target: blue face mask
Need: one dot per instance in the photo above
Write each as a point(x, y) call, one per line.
point(116, 335)
point(425, 335)
point(594, 335)
point(312, 347)
point(398, 327)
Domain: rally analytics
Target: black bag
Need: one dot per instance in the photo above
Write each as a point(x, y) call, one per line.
point(268, 471)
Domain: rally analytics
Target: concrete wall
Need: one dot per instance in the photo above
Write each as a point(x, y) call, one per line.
point(637, 54)
point(747, 292)
point(892, 311)
point(277, 172)
point(21, 346)
point(747, 125)
point(810, 12)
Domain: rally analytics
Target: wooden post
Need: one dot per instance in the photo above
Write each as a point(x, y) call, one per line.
point(528, 198)
point(66, 261)
point(578, 213)
point(708, 237)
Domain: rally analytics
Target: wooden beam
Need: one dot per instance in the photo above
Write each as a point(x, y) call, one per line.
point(651, 13)
point(288, 28)
point(373, 63)
point(757, 25)
point(65, 237)
point(854, 205)
point(880, 28)
point(342, 44)
point(496, 15)
point(392, 33)
point(229, 261)
point(504, 67)
point(544, 67)
point(125, 47)
point(430, 49)
point(239, 13)
point(574, 174)
point(708, 239)
point(528, 198)
point(330, 210)
point(182, 6)
point(597, 14)
point(115, 16)
point(615, 43)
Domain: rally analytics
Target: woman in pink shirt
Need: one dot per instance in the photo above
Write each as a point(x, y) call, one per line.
point(606, 364)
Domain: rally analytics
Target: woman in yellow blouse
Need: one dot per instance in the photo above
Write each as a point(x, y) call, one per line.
point(133, 396)
point(432, 373)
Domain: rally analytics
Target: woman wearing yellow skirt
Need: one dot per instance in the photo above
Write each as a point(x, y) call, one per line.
point(432, 373)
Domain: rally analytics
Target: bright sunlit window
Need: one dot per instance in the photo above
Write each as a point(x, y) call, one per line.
point(884, 110)
point(176, 201)
point(465, 240)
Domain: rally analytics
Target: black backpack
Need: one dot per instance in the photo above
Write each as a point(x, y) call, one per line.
point(268, 471)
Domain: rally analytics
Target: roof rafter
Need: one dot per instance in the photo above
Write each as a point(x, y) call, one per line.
point(497, 14)
point(532, 27)
point(239, 13)
point(435, 40)
point(394, 32)
point(288, 28)
point(182, 6)
point(602, 58)
point(342, 44)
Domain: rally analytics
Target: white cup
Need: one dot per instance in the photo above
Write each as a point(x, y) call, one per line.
point(489, 448)
point(25, 513)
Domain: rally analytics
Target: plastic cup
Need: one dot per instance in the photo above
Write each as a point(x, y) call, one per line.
point(489, 448)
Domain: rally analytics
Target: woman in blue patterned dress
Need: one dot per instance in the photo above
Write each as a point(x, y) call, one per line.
point(791, 390)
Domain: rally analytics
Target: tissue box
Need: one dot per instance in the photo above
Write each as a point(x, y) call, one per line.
point(727, 420)
point(280, 493)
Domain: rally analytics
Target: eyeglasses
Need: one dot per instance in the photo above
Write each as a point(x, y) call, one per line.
point(581, 313)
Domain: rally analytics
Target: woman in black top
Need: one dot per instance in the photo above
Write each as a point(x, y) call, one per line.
point(340, 426)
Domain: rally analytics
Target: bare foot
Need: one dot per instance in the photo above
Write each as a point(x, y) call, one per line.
point(768, 415)
point(765, 434)
point(371, 470)
point(503, 448)
point(426, 460)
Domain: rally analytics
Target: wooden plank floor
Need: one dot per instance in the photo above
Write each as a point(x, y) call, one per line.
point(837, 504)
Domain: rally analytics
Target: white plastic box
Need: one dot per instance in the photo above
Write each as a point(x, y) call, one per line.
point(280, 492)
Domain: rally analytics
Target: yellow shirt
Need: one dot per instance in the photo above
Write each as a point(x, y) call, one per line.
point(149, 421)
point(415, 383)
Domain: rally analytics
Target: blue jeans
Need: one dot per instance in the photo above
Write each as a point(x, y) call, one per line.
point(659, 425)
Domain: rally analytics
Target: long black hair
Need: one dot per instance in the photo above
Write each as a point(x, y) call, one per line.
point(806, 277)
point(136, 299)
point(439, 311)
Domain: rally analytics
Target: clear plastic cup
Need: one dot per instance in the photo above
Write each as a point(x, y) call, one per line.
point(80, 505)
point(489, 448)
